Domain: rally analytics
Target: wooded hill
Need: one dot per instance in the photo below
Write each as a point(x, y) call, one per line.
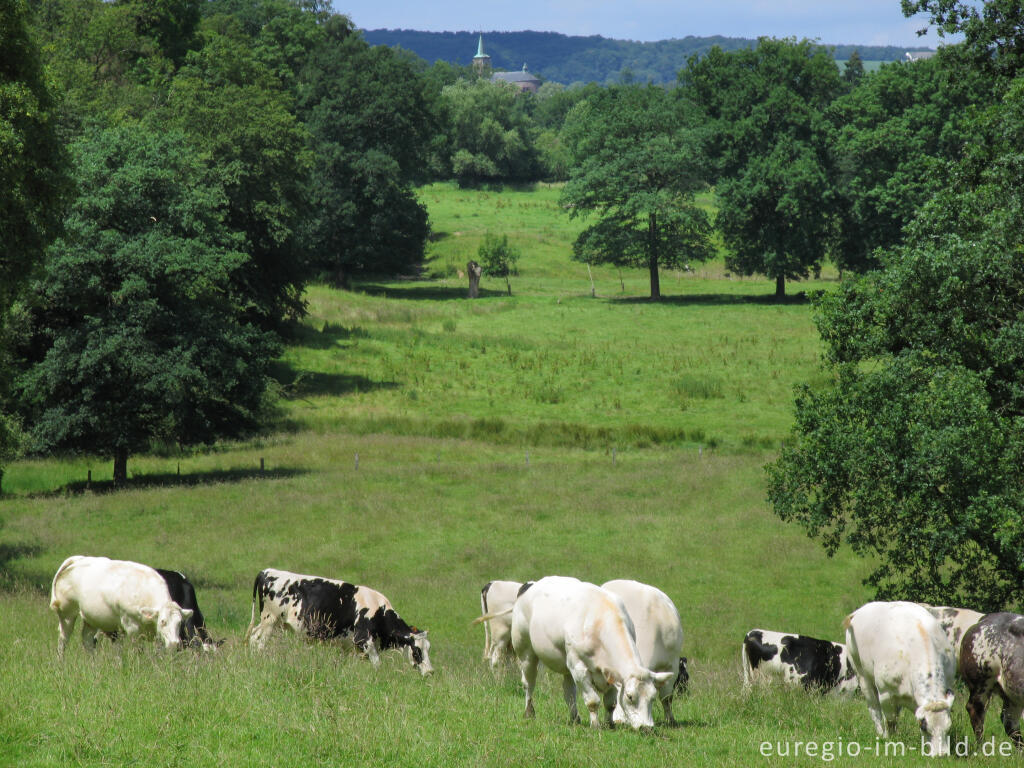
point(575, 59)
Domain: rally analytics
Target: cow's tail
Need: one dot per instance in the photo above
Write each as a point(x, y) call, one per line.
point(745, 663)
point(53, 586)
point(489, 616)
point(257, 600)
point(487, 624)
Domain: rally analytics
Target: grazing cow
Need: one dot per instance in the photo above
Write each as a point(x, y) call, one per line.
point(496, 597)
point(903, 659)
point(193, 629)
point(815, 664)
point(584, 633)
point(992, 661)
point(954, 622)
point(659, 634)
point(114, 596)
point(327, 609)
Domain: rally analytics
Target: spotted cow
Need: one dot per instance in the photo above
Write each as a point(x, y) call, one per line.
point(992, 661)
point(815, 664)
point(328, 609)
point(954, 622)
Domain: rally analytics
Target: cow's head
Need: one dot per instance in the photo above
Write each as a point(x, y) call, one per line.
point(682, 683)
point(418, 652)
point(935, 722)
point(635, 698)
point(168, 622)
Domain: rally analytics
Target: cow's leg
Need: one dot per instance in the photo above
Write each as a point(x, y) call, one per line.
point(666, 704)
point(259, 634)
point(65, 626)
point(528, 667)
point(89, 633)
point(977, 703)
point(569, 693)
point(1011, 721)
point(874, 707)
point(495, 654)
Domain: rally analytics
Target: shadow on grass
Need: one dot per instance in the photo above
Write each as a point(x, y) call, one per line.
point(331, 335)
point(168, 480)
point(428, 292)
point(299, 384)
point(717, 299)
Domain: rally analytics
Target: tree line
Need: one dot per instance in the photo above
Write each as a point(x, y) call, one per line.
point(575, 59)
point(177, 171)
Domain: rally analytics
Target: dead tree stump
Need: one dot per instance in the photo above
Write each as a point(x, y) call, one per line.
point(474, 271)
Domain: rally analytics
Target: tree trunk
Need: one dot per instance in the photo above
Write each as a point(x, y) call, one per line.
point(508, 284)
point(652, 260)
point(780, 287)
point(120, 466)
point(474, 271)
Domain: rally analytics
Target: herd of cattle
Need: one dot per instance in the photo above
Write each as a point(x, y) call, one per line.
point(617, 644)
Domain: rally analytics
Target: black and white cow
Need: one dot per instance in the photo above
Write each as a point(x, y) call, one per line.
point(327, 609)
point(992, 661)
point(193, 629)
point(815, 664)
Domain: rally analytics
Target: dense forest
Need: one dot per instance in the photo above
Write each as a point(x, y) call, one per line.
point(570, 59)
point(177, 172)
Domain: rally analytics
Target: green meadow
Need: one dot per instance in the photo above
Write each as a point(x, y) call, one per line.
point(426, 444)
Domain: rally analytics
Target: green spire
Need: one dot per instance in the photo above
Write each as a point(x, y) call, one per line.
point(480, 49)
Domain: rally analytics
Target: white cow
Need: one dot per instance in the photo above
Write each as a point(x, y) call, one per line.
point(584, 633)
point(659, 633)
point(954, 622)
point(498, 597)
point(114, 596)
point(903, 659)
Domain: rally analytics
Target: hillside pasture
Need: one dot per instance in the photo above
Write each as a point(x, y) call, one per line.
point(427, 444)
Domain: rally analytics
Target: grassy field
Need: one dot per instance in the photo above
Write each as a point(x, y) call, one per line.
point(426, 445)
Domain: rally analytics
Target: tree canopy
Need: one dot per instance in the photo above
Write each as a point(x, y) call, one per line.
point(637, 164)
point(131, 335)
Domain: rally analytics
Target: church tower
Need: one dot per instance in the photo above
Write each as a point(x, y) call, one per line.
point(481, 62)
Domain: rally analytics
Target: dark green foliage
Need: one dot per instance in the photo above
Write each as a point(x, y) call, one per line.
point(914, 455)
point(991, 30)
point(498, 258)
point(636, 165)
point(894, 135)
point(372, 120)
point(33, 164)
point(131, 335)
point(769, 139)
point(489, 132)
point(239, 117)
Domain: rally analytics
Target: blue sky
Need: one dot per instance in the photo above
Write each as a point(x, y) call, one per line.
point(863, 22)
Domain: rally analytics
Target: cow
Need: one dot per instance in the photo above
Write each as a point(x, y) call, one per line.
point(584, 633)
point(659, 635)
point(817, 665)
point(903, 659)
point(954, 622)
point(193, 629)
point(114, 596)
point(328, 609)
point(992, 661)
point(496, 597)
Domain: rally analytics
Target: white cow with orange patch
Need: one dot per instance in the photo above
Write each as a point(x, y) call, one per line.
point(903, 659)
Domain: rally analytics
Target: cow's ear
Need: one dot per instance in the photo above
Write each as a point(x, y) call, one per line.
point(660, 678)
point(148, 614)
point(186, 614)
point(612, 678)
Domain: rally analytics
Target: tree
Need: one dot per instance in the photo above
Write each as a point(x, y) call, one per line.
point(853, 72)
point(913, 454)
point(239, 117)
point(893, 137)
point(131, 335)
point(637, 165)
point(489, 133)
point(769, 140)
point(498, 258)
point(991, 30)
point(372, 120)
point(33, 176)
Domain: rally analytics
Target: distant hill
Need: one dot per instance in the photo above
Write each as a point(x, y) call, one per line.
point(572, 59)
